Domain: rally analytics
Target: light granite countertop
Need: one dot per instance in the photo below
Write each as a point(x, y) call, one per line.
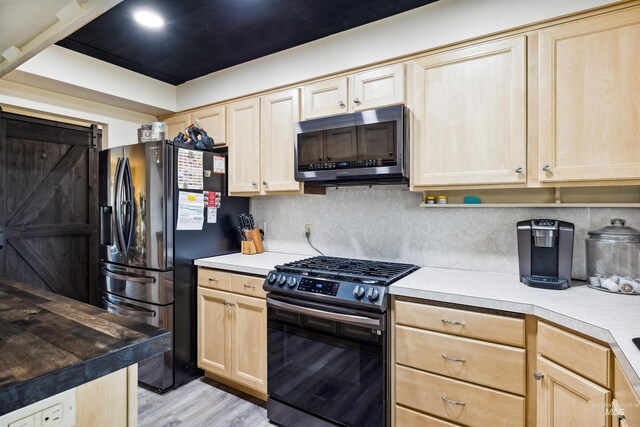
point(259, 264)
point(612, 318)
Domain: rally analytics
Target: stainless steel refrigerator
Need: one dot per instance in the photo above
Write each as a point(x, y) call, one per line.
point(146, 258)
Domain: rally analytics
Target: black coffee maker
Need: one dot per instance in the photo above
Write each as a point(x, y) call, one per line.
point(545, 252)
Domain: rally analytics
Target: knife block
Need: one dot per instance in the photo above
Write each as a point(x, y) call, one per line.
point(253, 243)
point(248, 247)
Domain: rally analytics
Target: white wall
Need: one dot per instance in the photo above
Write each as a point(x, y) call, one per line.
point(119, 125)
point(427, 27)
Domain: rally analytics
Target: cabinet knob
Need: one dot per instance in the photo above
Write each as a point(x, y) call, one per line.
point(546, 168)
point(538, 375)
point(356, 101)
point(255, 184)
point(341, 104)
point(264, 183)
point(519, 169)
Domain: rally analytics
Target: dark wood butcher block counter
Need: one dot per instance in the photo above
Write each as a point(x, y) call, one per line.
point(50, 343)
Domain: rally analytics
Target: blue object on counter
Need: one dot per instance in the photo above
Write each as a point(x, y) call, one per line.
point(471, 200)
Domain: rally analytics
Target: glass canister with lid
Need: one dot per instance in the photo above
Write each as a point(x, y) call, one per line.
point(613, 252)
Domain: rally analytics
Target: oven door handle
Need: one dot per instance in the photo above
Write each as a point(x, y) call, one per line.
point(366, 322)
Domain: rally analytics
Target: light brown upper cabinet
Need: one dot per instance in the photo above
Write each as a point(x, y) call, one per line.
point(212, 120)
point(470, 116)
point(280, 112)
point(375, 88)
point(589, 99)
point(177, 124)
point(243, 139)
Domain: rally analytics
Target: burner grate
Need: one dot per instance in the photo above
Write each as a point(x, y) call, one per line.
point(352, 269)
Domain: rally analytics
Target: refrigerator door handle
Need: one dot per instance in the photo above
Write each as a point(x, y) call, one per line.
point(127, 277)
point(128, 204)
point(118, 205)
point(130, 310)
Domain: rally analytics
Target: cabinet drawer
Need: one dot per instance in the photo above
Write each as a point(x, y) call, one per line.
point(214, 279)
point(488, 327)
point(582, 356)
point(626, 397)
point(477, 406)
point(248, 285)
point(407, 418)
point(484, 363)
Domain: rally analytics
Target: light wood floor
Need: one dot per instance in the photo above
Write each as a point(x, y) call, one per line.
point(201, 403)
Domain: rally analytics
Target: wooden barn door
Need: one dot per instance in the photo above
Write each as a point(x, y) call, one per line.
point(49, 205)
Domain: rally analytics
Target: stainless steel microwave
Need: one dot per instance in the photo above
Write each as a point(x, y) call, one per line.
point(367, 147)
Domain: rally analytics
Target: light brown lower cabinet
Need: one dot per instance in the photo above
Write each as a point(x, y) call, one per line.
point(405, 417)
point(109, 401)
point(565, 399)
point(457, 401)
point(232, 337)
point(626, 403)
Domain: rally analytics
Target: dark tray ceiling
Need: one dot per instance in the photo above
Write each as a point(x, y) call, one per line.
point(203, 36)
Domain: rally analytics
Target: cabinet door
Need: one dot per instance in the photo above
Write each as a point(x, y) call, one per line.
point(214, 331)
point(212, 120)
point(177, 124)
point(589, 100)
point(280, 112)
point(628, 400)
point(243, 139)
point(377, 88)
point(565, 399)
point(470, 116)
point(325, 98)
point(249, 342)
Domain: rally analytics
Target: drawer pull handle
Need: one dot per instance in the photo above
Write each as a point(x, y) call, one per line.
point(452, 322)
point(213, 280)
point(453, 359)
point(452, 402)
point(249, 286)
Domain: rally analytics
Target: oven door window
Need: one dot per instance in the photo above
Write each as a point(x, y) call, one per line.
point(330, 369)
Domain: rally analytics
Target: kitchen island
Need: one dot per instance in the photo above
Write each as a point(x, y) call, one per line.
point(50, 344)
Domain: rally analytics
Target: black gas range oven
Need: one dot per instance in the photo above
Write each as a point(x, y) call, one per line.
point(327, 341)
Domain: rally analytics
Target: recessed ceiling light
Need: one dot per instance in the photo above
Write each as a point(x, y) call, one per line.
point(148, 18)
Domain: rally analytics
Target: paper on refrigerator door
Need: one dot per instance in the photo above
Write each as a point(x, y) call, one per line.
point(190, 169)
point(212, 215)
point(190, 211)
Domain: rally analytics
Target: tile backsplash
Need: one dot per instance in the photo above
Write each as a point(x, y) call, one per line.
point(385, 223)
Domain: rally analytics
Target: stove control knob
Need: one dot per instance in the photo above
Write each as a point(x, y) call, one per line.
point(292, 282)
point(271, 278)
point(358, 291)
point(282, 279)
point(373, 294)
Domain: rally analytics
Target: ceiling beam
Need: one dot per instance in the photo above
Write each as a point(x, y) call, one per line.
point(71, 17)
